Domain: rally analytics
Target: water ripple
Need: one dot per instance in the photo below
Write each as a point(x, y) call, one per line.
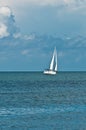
point(40, 110)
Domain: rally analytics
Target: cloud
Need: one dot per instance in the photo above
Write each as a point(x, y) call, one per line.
point(36, 2)
point(25, 52)
point(3, 30)
point(42, 2)
point(7, 22)
point(17, 35)
point(5, 11)
point(29, 37)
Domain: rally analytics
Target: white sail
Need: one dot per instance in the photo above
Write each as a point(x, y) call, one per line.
point(55, 60)
point(52, 62)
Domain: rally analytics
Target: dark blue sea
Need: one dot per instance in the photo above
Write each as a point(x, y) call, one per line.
point(34, 101)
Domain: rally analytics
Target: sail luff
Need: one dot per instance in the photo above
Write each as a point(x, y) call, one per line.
point(52, 62)
point(55, 60)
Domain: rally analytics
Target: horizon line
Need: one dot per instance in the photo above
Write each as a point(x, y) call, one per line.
point(40, 71)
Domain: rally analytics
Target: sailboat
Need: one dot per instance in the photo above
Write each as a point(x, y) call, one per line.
point(53, 65)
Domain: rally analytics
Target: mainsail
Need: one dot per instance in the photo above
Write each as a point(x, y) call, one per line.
point(52, 62)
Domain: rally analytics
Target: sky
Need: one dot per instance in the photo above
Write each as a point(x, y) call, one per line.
point(30, 29)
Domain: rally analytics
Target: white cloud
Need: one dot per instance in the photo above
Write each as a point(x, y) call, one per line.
point(25, 52)
point(69, 1)
point(5, 11)
point(19, 7)
point(29, 37)
point(16, 35)
point(68, 5)
point(7, 22)
point(36, 2)
point(3, 31)
point(40, 2)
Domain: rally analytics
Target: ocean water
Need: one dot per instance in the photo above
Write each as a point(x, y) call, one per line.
point(34, 101)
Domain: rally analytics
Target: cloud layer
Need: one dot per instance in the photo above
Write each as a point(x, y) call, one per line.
point(22, 51)
point(43, 2)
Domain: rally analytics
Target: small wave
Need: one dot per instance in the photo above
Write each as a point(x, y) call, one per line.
point(40, 110)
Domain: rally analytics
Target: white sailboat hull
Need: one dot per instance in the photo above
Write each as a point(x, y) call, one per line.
point(49, 72)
